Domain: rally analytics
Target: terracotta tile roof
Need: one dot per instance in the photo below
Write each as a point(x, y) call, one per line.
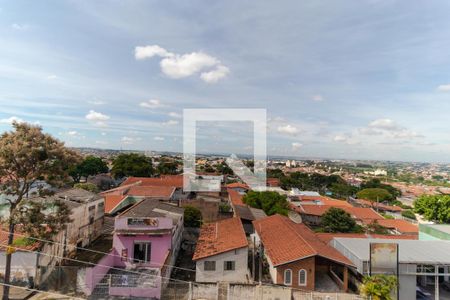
point(235, 197)
point(286, 241)
point(115, 196)
point(219, 237)
point(111, 201)
point(168, 180)
point(323, 201)
point(237, 185)
point(121, 190)
point(360, 213)
point(151, 191)
point(380, 206)
point(273, 182)
point(401, 226)
point(327, 237)
point(18, 235)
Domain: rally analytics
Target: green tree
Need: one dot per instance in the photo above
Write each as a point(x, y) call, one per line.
point(90, 166)
point(224, 169)
point(434, 207)
point(378, 287)
point(375, 194)
point(27, 155)
point(90, 187)
point(166, 167)
point(409, 214)
point(132, 164)
point(376, 228)
point(192, 216)
point(376, 183)
point(342, 191)
point(270, 202)
point(338, 220)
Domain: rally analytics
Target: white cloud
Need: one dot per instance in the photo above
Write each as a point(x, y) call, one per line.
point(98, 118)
point(389, 128)
point(296, 146)
point(340, 138)
point(444, 88)
point(180, 66)
point(158, 138)
point(288, 129)
point(20, 27)
point(152, 103)
point(143, 52)
point(384, 124)
point(215, 75)
point(103, 133)
point(52, 77)
point(174, 114)
point(184, 65)
point(130, 140)
point(318, 98)
point(346, 139)
point(72, 133)
point(96, 102)
point(170, 122)
point(12, 119)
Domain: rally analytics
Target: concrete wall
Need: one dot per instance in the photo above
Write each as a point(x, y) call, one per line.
point(407, 288)
point(240, 256)
point(23, 266)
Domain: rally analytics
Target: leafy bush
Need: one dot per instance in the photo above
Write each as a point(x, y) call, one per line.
point(87, 186)
point(270, 202)
point(378, 287)
point(409, 214)
point(192, 216)
point(434, 208)
point(224, 207)
point(338, 220)
point(375, 194)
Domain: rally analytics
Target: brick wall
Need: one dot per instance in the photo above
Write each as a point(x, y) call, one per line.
point(307, 264)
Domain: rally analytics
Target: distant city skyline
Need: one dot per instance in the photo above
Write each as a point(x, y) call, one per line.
point(371, 85)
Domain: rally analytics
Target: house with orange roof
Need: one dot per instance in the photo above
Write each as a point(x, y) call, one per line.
point(399, 226)
point(238, 186)
point(297, 258)
point(377, 206)
point(135, 189)
point(312, 214)
point(221, 253)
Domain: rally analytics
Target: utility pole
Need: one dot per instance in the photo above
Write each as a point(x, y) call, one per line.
point(253, 259)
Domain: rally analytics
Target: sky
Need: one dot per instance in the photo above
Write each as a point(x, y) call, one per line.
point(339, 79)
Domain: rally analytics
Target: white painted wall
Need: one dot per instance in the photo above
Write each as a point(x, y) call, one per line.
point(407, 287)
point(240, 256)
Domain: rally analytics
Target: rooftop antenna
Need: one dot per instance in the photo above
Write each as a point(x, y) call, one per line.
point(295, 217)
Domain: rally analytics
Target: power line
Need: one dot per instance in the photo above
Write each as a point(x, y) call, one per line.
point(94, 251)
point(114, 268)
point(93, 264)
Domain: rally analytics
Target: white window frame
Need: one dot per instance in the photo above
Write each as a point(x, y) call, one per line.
point(284, 277)
point(299, 277)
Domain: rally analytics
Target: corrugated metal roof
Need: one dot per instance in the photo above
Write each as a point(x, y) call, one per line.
point(410, 251)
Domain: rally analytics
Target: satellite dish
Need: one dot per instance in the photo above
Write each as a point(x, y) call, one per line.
point(295, 217)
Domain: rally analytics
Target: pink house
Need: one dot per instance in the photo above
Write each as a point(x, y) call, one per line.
point(146, 241)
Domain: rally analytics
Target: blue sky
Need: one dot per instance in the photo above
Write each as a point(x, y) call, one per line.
point(339, 79)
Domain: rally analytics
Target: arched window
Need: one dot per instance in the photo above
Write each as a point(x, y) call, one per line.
point(302, 277)
point(287, 277)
